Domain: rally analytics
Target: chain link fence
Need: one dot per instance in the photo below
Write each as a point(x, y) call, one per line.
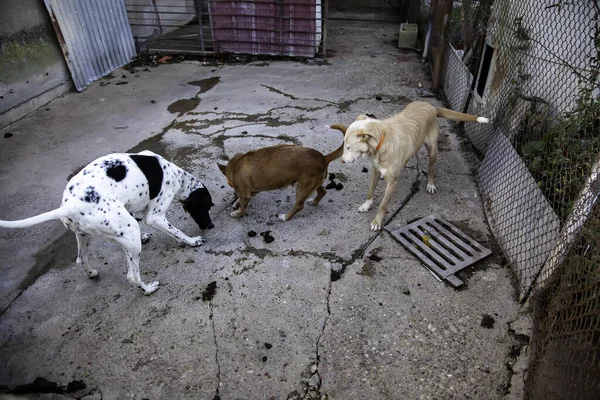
point(532, 67)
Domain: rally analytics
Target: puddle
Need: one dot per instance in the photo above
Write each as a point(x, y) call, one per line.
point(183, 105)
point(206, 84)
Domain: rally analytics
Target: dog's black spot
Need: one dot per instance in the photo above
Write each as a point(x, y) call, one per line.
point(339, 186)
point(150, 166)
point(71, 188)
point(115, 169)
point(488, 321)
point(91, 196)
point(251, 234)
point(210, 291)
point(365, 169)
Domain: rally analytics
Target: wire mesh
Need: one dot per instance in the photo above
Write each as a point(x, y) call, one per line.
point(532, 67)
point(259, 27)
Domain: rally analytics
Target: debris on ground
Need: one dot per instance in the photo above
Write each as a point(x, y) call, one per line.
point(267, 236)
point(488, 321)
point(251, 234)
point(210, 291)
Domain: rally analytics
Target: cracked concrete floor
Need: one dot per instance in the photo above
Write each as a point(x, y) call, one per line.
point(327, 310)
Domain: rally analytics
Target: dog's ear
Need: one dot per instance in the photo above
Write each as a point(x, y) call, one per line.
point(223, 168)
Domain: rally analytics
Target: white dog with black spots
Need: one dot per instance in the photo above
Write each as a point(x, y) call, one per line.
point(101, 198)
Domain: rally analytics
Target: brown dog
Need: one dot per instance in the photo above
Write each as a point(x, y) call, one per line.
point(391, 143)
point(276, 167)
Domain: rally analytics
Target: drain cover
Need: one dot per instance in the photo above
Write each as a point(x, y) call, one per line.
point(441, 246)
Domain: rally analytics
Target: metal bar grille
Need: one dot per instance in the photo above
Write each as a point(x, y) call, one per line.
point(441, 246)
point(277, 27)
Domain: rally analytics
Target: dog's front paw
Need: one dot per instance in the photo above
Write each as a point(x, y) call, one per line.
point(366, 206)
point(236, 204)
point(375, 225)
point(236, 214)
point(282, 217)
point(197, 241)
point(150, 288)
point(431, 188)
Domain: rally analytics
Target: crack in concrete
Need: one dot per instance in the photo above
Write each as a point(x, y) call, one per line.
point(212, 321)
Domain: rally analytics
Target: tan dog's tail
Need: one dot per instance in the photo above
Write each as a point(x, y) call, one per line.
point(457, 116)
point(337, 153)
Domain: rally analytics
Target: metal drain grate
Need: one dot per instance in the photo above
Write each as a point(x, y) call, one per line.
point(441, 246)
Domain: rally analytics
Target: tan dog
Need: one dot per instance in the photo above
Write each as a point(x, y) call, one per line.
point(392, 142)
point(275, 168)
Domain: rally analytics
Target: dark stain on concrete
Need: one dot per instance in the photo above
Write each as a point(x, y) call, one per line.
point(368, 269)
point(58, 255)
point(183, 105)
point(153, 144)
point(206, 84)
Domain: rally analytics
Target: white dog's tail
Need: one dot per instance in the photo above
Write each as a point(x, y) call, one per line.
point(38, 219)
point(457, 116)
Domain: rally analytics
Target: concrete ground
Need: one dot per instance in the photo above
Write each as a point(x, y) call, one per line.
point(327, 310)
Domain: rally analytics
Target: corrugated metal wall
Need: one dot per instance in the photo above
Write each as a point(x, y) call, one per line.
point(95, 37)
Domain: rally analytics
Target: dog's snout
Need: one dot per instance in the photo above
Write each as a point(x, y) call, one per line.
point(211, 225)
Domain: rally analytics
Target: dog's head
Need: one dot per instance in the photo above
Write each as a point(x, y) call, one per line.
point(198, 204)
point(361, 138)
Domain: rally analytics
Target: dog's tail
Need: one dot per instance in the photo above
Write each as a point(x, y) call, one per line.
point(38, 219)
point(457, 116)
point(337, 153)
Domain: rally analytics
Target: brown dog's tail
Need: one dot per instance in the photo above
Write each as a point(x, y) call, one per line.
point(457, 116)
point(337, 153)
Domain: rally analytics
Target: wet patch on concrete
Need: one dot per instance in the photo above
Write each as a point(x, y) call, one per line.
point(153, 144)
point(58, 255)
point(183, 105)
point(43, 385)
point(206, 84)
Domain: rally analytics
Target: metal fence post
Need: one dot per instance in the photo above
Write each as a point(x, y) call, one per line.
point(441, 15)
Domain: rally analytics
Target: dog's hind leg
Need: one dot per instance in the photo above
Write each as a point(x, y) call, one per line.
point(320, 193)
point(303, 191)
point(375, 175)
point(431, 146)
point(83, 240)
point(132, 244)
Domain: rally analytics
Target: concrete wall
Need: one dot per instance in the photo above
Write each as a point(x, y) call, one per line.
point(32, 68)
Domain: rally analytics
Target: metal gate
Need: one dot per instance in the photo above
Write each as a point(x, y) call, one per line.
point(209, 27)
